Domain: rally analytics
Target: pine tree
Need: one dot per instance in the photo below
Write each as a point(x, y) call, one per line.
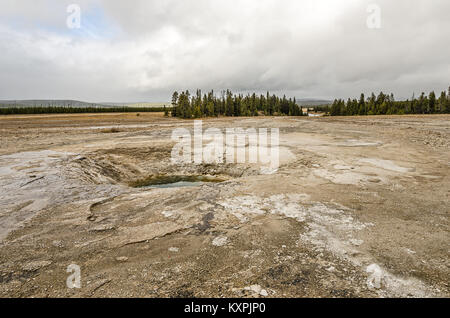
point(362, 105)
point(229, 104)
point(175, 104)
point(335, 108)
point(371, 107)
point(432, 103)
point(419, 104)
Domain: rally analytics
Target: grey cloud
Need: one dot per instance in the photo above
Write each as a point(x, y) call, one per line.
point(285, 46)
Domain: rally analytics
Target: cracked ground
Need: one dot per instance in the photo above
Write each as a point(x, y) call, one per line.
point(358, 208)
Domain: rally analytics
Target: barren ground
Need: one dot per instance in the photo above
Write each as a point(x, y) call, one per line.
point(358, 208)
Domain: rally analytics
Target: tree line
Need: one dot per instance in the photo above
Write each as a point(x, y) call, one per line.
point(384, 104)
point(76, 110)
point(185, 105)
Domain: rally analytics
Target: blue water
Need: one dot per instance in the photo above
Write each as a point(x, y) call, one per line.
point(175, 185)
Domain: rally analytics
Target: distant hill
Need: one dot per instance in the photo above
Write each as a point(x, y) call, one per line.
point(72, 103)
point(77, 103)
point(141, 104)
point(312, 102)
point(48, 102)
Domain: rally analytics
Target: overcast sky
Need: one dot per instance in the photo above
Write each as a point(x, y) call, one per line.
point(142, 50)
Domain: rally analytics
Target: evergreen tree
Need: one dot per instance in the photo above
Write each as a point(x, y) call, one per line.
point(432, 103)
point(419, 104)
point(174, 104)
point(371, 107)
point(335, 108)
point(229, 104)
point(362, 105)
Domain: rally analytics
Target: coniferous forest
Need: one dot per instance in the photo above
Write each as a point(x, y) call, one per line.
point(228, 104)
point(185, 105)
point(77, 110)
point(386, 105)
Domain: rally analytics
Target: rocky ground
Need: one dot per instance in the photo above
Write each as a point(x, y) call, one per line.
point(358, 208)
